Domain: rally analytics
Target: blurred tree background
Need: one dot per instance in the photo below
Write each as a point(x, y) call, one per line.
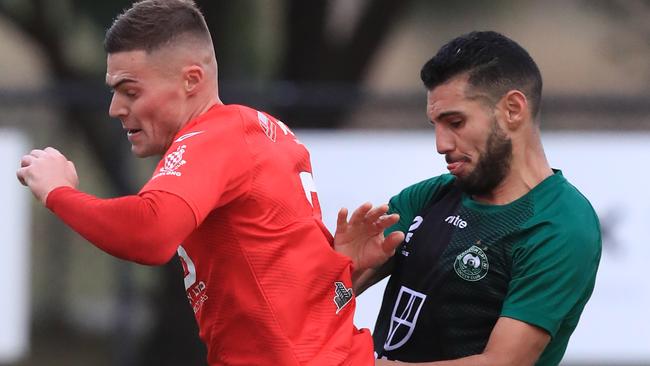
point(314, 64)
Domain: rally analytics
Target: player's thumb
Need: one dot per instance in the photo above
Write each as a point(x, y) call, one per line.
point(392, 241)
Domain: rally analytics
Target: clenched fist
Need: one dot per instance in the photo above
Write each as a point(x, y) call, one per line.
point(44, 170)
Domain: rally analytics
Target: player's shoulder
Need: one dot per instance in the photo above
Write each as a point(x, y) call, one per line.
point(426, 189)
point(219, 122)
point(219, 127)
point(565, 215)
point(416, 196)
point(248, 114)
point(222, 116)
point(564, 203)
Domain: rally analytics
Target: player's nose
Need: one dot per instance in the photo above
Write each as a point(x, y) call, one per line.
point(117, 109)
point(444, 140)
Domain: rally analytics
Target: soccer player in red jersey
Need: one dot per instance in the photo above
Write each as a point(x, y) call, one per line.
point(233, 196)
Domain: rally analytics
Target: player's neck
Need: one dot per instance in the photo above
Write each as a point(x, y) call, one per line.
point(200, 107)
point(528, 168)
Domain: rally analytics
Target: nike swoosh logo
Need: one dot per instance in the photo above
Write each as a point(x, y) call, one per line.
point(187, 136)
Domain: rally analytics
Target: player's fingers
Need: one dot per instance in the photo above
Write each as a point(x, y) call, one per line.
point(20, 174)
point(37, 153)
point(53, 151)
point(376, 212)
point(359, 214)
point(392, 241)
point(342, 220)
point(26, 161)
point(386, 221)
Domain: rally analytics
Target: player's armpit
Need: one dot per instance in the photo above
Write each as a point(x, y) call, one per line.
point(146, 229)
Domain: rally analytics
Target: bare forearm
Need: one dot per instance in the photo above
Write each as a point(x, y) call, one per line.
point(512, 343)
point(362, 280)
point(475, 360)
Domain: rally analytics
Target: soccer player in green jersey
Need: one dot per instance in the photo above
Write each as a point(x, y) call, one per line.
point(500, 255)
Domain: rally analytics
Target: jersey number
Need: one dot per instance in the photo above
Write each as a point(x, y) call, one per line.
point(417, 221)
point(189, 269)
point(308, 185)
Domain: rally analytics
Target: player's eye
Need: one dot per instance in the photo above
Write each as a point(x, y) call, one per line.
point(455, 123)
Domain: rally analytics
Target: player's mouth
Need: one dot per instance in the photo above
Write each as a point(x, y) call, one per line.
point(132, 131)
point(133, 134)
point(455, 166)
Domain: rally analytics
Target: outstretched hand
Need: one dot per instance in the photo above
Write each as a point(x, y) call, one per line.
point(44, 170)
point(362, 238)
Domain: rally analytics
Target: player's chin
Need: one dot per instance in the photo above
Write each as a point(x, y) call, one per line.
point(141, 152)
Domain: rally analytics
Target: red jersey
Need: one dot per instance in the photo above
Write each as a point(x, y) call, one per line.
point(262, 278)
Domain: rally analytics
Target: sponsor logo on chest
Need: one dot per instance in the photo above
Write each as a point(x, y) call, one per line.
point(173, 161)
point(456, 221)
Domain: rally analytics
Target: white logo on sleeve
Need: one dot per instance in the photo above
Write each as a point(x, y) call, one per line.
point(343, 295)
point(173, 161)
point(267, 125)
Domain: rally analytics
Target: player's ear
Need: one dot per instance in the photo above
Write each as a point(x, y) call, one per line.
point(192, 77)
point(514, 106)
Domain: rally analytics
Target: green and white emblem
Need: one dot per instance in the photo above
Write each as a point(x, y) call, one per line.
point(472, 264)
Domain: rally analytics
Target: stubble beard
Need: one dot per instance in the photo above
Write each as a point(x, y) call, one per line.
point(493, 165)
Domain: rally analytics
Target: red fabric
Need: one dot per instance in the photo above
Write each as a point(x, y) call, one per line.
point(145, 229)
point(265, 285)
point(260, 273)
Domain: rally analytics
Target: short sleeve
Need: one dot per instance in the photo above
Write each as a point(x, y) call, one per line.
point(553, 276)
point(208, 166)
point(411, 200)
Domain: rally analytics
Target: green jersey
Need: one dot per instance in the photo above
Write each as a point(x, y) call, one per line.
point(464, 264)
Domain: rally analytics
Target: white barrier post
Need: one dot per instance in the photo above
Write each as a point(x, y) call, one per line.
point(15, 266)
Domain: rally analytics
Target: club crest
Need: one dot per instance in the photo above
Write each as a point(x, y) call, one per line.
point(472, 264)
point(173, 161)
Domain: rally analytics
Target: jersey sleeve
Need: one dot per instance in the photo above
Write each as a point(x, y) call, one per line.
point(208, 167)
point(411, 200)
point(145, 229)
point(553, 276)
